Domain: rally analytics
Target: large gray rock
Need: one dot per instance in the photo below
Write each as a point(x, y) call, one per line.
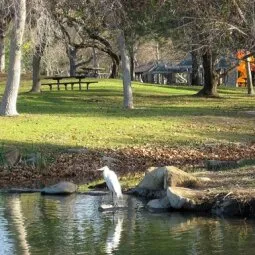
point(177, 200)
point(189, 199)
point(159, 205)
point(154, 179)
point(158, 178)
point(175, 177)
point(61, 188)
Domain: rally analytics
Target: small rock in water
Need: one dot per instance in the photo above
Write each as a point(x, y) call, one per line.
point(159, 205)
point(94, 193)
point(106, 207)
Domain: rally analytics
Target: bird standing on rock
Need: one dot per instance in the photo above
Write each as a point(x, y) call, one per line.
point(112, 182)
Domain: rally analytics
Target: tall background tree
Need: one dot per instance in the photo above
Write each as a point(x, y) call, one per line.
point(9, 100)
point(2, 39)
point(42, 29)
point(5, 15)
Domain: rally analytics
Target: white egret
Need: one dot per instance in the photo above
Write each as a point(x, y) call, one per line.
point(112, 182)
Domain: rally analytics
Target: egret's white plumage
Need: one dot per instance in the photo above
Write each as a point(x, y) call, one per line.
point(111, 180)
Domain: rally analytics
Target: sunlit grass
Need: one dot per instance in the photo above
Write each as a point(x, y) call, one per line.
point(127, 181)
point(163, 115)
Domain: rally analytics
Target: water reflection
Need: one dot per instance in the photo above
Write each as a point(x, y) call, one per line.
point(34, 224)
point(18, 221)
point(6, 242)
point(114, 235)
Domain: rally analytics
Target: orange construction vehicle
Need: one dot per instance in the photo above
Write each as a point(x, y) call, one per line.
point(241, 68)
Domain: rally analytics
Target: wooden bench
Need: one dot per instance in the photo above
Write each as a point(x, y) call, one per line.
point(66, 83)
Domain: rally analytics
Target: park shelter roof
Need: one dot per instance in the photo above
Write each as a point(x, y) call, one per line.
point(165, 68)
point(145, 68)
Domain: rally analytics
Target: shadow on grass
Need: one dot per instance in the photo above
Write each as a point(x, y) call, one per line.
point(223, 137)
point(27, 147)
point(104, 102)
point(44, 148)
point(240, 137)
point(198, 138)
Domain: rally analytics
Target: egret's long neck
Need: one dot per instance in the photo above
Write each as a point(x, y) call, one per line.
point(105, 173)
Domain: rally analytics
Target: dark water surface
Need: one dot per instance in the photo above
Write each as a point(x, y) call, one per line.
point(35, 224)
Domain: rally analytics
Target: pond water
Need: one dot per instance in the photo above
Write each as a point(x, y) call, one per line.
point(35, 224)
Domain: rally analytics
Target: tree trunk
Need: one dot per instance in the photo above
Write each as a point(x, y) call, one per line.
point(36, 87)
point(2, 49)
point(128, 95)
point(195, 66)
point(157, 52)
point(132, 67)
point(210, 76)
point(249, 77)
point(132, 62)
point(115, 65)
point(9, 100)
point(114, 69)
point(95, 62)
point(72, 55)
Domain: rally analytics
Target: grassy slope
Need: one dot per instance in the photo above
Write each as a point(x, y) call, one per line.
point(95, 118)
point(163, 115)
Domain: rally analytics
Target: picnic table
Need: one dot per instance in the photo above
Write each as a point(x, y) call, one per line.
point(67, 80)
point(90, 71)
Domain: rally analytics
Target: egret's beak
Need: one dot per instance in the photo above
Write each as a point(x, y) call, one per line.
point(100, 169)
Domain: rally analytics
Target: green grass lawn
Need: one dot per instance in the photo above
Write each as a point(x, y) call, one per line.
point(163, 115)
